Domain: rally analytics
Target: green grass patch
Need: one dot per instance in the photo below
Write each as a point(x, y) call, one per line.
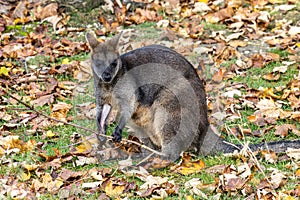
point(213, 26)
point(254, 76)
point(147, 31)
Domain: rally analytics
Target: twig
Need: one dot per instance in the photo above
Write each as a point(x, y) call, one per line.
point(145, 159)
point(231, 144)
point(78, 126)
point(251, 154)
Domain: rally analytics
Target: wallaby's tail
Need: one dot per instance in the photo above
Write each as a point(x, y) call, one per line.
point(278, 146)
point(213, 144)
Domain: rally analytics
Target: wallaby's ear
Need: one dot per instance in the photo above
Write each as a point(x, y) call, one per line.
point(91, 39)
point(113, 43)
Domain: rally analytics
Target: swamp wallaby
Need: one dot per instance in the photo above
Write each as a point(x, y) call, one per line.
point(158, 93)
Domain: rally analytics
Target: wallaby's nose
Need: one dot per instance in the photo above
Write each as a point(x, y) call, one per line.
point(106, 76)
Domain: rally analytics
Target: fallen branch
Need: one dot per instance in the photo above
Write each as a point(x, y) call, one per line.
point(77, 126)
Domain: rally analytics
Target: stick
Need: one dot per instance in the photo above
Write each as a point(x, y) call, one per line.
point(76, 125)
point(251, 154)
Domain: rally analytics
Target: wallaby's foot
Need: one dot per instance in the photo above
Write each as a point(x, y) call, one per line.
point(117, 134)
point(155, 163)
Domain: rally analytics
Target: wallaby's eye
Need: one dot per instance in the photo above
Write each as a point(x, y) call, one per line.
point(114, 63)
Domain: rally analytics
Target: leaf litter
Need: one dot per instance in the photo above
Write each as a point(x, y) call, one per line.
point(248, 30)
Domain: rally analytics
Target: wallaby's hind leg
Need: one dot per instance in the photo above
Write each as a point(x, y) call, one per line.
point(165, 131)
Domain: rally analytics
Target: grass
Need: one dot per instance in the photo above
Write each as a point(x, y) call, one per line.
point(147, 31)
point(213, 26)
point(252, 78)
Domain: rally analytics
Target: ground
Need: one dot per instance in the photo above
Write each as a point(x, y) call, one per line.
point(247, 52)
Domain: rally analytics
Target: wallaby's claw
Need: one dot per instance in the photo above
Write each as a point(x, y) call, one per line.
point(117, 135)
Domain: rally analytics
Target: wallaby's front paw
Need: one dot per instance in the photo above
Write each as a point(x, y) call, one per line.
point(117, 135)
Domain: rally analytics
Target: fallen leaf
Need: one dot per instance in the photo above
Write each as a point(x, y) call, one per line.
point(187, 166)
point(193, 186)
point(219, 75)
point(269, 156)
point(232, 93)
point(60, 111)
point(43, 100)
point(82, 160)
point(4, 71)
point(231, 182)
point(271, 77)
point(293, 153)
point(113, 190)
point(283, 130)
point(278, 179)
point(281, 69)
point(47, 11)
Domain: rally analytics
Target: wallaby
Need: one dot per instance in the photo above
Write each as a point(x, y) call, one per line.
point(159, 94)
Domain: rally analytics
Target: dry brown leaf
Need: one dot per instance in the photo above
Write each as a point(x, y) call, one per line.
point(271, 77)
point(193, 186)
point(157, 185)
point(257, 61)
point(43, 100)
point(60, 111)
point(278, 179)
point(294, 101)
point(220, 15)
point(237, 43)
point(218, 76)
point(269, 156)
point(20, 10)
point(66, 174)
point(283, 130)
point(47, 11)
point(187, 166)
point(231, 182)
point(293, 153)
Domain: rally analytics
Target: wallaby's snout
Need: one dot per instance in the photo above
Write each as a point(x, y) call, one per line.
point(106, 76)
point(110, 72)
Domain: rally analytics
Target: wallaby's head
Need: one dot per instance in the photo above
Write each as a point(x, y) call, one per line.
point(106, 61)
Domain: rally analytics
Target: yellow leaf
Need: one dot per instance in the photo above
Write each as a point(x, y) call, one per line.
point(58, 182)
point(203, 1)
point(29, 145)
point(187, 166)
point(277, 1)
point(24, 177)
point(30, 167)
point(268, 92)
point(298, 44)
point(50, 134)
point(114, 191)
point(65, 61)
point(46, 178)
point(85, 147)
point(3, 71)
point(18, 21)
point(189, 197)
point(289, 198)
point(2, 151)
point(8, 64)
point(194, 167)
point(298, 172)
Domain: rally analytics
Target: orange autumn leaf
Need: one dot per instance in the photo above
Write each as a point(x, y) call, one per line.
point(187, 166)
point(218, 76)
